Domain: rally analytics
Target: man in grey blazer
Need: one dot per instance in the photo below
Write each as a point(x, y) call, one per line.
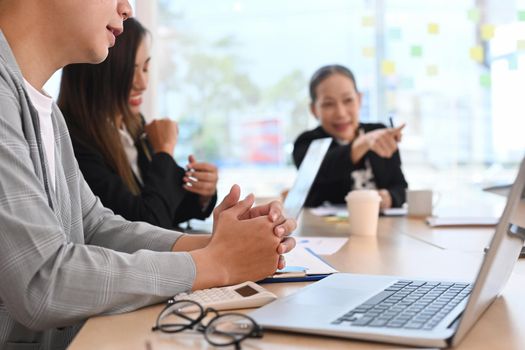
point(63, 256)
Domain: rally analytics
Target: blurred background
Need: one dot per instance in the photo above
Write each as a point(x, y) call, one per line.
point(234, 74)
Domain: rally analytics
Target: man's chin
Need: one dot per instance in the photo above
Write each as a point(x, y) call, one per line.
point(98, 56)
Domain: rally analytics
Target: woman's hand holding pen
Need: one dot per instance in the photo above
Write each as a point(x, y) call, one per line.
point(201, 178)
point(383, 142)
point(162, 134)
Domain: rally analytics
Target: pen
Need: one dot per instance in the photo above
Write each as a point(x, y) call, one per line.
point(397, 137)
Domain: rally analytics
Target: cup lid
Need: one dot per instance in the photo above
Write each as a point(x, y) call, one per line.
point(363, 194)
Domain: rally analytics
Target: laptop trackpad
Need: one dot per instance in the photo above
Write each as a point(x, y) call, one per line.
point(342, 290)
point(329, 296)
point(310, 307)
point(321, 302)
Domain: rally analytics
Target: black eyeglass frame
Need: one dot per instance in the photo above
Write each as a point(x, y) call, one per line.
point(196, 323)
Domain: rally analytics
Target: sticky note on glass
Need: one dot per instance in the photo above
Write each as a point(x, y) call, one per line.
point(416, 51)
point(369, 52)
point(477, 54)
point(368, 21)
point(513, 62)
point(388, 68)
point(484, 80)
point(474, 15)
point(520, 45)
point(433, 28)
point(432, 70)
point(394, 33)
point(487, 32)
point(521, 15)
point(407, 83)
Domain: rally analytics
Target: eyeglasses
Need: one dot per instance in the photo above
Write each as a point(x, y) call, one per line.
point(222, 330)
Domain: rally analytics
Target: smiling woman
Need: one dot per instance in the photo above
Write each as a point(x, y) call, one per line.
point(127, 163)
point(361, 156)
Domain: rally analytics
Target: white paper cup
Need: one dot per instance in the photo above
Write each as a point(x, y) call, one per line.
point(363, 212)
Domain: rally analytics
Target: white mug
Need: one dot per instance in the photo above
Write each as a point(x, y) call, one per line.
point(363, 211)
point(420, 202)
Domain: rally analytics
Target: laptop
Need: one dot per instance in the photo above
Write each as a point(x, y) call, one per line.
point(404, 311)
point(293, 204)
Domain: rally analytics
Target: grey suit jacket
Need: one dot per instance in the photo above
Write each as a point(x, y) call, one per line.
point(63, 256)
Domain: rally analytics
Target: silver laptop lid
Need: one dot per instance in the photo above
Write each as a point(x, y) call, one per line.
point(500, 259)
point(305, 177)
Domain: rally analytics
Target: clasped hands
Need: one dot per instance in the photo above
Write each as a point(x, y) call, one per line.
point(270, 215)
point(247, 243)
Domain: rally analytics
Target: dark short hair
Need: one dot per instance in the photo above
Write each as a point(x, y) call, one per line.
point(325, 72)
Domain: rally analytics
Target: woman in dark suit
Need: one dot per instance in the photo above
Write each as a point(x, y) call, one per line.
point(361, 156)
point(127, 163)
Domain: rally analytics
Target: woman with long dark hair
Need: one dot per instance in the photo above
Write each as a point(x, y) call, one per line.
point(127, 163)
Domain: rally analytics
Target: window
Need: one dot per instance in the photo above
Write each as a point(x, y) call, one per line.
point(234, 74)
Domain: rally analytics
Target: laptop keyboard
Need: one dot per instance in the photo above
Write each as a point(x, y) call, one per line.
point(408, 305)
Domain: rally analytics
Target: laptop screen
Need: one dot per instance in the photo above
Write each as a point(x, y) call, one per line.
point(500, 259)
point(305, 177)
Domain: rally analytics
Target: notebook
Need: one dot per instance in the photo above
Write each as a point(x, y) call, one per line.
point(461, 221)
point(302, 264)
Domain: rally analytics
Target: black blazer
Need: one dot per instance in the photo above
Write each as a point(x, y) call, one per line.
point(334, 181)
point(162, 202)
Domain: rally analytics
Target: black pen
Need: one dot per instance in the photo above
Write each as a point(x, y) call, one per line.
point(391, 120)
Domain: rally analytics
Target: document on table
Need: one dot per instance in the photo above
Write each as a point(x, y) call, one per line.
point(302, 264)
point(341, 211)
point(394, 211)
point(501, 189)
point(312, 263)
point(321, 245)
point(330, 210)
point(461, 221)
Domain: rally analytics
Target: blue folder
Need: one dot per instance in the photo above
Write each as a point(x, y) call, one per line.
point(297, 273)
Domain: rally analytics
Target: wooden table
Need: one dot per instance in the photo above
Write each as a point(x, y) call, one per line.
point(404, 247)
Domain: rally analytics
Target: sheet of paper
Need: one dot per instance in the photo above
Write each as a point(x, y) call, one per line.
point(321, 245)
point(456, 221)
point(340, 210)
point(394, 211)
point(330, 210)
point(500, 189)
point(313, 264)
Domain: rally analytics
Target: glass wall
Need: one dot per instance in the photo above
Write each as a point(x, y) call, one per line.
point(234, 74)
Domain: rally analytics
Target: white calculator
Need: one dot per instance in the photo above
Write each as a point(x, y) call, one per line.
point(239, 296)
